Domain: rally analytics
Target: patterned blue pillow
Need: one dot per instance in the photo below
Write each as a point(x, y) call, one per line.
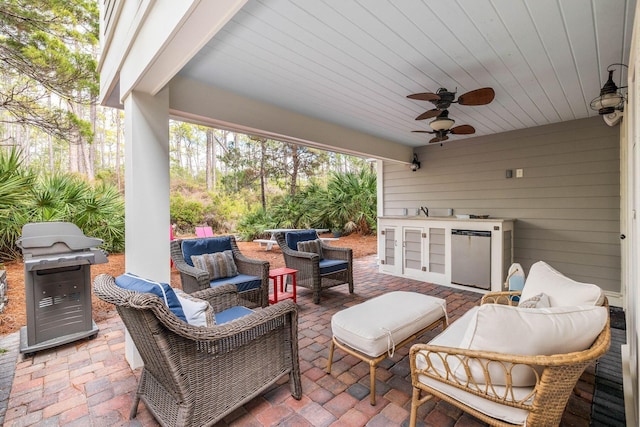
point(218, 265)
point(162, 290)
point(314, 246)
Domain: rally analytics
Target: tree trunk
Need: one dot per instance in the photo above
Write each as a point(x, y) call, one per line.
point(73, 145)
point(210, 160)
point(295, 165)
point(263, 155)
point(50, 140)
point(90, 149)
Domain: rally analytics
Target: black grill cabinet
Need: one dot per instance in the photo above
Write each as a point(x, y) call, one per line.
point(57, 261)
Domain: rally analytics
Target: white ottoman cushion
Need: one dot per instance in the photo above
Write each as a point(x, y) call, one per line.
point(375, 326)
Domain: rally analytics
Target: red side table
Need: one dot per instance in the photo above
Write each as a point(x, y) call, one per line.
point(278, 275)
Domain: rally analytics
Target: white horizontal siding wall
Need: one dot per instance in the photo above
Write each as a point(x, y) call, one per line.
point(567, 204)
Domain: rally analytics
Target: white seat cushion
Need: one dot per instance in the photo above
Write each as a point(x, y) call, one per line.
point(376, 325)
point(496, 410)
point(562, 291)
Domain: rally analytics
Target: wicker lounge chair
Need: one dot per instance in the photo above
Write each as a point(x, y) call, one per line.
point(252, 280)
point(195, 376)
point(506, 389)
point(335, 268)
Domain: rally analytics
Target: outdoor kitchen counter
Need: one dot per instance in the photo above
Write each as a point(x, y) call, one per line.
point(422, 248)
point(445, 218)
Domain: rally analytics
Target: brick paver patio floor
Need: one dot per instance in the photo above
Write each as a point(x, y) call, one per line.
point(89, 383)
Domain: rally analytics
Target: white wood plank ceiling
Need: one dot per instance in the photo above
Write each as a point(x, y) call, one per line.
point(353, 62)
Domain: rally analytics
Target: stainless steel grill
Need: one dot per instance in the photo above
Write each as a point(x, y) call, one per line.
point(57, 261)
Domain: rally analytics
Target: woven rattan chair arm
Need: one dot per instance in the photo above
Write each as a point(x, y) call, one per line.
point(192, 283)
point(597, 349)
point(302, 256)
point(307, 268)
point(196, 273)
point(220, 297)
point(334, 252)
point(252, 267)
point(192, 278)
point(467, 354)
point(105, 289)
point(453, 367)
point(246, 265)
point(502, 297)
point(284, 311)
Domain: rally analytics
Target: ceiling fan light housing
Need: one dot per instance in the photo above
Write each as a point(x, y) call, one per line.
point(442, 123)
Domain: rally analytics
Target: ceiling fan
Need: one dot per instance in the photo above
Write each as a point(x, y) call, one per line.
point(442, 127)
point(442, 99)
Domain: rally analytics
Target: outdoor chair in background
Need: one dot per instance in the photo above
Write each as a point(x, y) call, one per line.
point(204, 231)
point(197, 375)
point(219, 261)
point(319, 265)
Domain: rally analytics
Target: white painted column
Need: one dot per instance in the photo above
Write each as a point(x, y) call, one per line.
point(380, 189)
point(147, 218)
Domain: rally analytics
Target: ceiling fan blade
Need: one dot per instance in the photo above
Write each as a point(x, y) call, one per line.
point(439, 139)
point(481, 96)
point(462, 130)
point(429, 114)
point(426, 96)
point(422, 131)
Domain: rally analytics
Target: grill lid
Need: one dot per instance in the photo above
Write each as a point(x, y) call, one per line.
point(49, 244)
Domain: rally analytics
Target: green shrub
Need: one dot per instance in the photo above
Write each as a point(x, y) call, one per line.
point(16, 182)
point(97, 210)
point(101, 214)
point(347, 204)
point(186, 213)
point(252, 225)
point(351, 202)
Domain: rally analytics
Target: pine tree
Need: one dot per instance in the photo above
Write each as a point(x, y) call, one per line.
point(46, 48)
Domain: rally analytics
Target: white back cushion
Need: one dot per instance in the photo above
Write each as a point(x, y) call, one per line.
point(531, 331)
point(562, 291)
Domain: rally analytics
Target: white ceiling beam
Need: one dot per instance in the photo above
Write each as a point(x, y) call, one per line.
point(194, 101)
point(172, 33)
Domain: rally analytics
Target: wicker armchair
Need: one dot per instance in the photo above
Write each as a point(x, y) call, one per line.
point(336, 267)
point(195, 376)
point(251, 270)
point(541, 405)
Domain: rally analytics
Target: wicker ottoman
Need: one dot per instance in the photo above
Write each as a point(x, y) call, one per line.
point(374, 329)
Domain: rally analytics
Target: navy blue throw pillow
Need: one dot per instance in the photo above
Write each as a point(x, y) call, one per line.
point(162, 290)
